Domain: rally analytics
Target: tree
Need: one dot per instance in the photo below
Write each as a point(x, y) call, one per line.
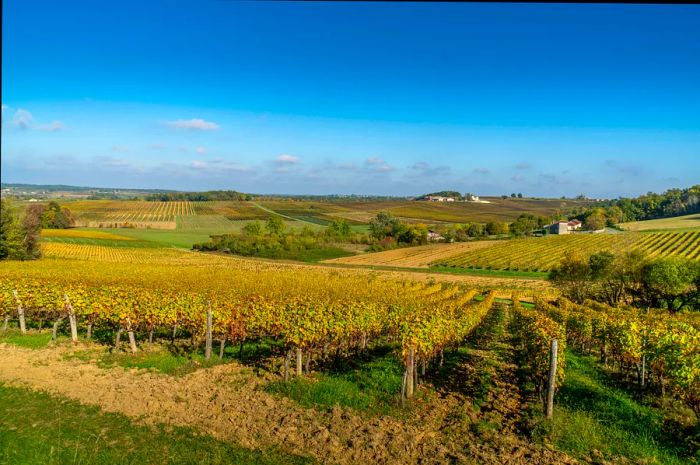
point(573, 277)
point(385, 224)
point(55, 217)
point(520, 196)
point(19, 234)
point(475, 230)
point(525, 224)
point(596, 219)
point(339, 228)
point(670, 282)
point(494, 228)
point(275, 226)
point(513, 195)
point(253, 229)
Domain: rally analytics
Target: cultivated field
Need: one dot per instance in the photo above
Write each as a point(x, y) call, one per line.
point(413, 257)
point(677, 222)
point(545, 253)
point(216, 214)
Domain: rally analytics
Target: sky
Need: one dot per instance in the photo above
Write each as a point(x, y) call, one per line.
point(352, 98)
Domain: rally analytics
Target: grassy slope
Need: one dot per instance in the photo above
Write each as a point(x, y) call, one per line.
point(677, 222)
point(38, 428)
point(592, 414)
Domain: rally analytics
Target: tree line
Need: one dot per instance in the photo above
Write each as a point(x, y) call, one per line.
point(631, 278)
point(197, 196)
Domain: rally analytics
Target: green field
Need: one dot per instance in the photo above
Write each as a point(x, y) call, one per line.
point(677, 222)
point(544, 253)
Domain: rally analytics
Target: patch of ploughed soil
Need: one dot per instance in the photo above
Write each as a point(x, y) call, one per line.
point(226, 402)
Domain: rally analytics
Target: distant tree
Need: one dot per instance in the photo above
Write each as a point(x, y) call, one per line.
point(475, 230)
point(595, 219)
point(55, 217)
point(496, 228)
point(19, 232)
point(615, 215)
point(504, 196)
point(339, 228)
point(520, 196)
point(275, 226)
point(513, 195)
point(252, 229)
point(573, 277)
point(525, 224)
point(385, 224)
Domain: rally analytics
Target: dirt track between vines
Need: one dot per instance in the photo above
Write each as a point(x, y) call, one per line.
point(226, 402)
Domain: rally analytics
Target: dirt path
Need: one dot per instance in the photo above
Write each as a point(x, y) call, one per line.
point(226, 402)
point(486, 378)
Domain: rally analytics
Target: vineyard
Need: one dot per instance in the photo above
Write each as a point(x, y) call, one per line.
point(413, 257)
point(310, 317)
point(543, 254)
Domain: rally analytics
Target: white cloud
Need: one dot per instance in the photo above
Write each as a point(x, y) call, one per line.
point(53, 126)
point(481, 171)
point(286, 159)
point(194, 124)
point(112, 162)
point(22, 119)
point(200, 150)
point(120, 148)
point(198, 164)
point(378, 165)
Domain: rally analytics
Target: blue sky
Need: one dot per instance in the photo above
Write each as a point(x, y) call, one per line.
point(366, 98)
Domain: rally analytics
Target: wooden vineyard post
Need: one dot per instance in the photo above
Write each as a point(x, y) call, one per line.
point(20, 313)
point(410, 378)
point(4, 322)
point(207, 349)
point(132, 339)
point(222, 347)
point(299, 361)
point(72, 319)
point(552, 381)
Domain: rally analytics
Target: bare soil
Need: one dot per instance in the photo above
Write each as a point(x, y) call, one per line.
point(226, 402)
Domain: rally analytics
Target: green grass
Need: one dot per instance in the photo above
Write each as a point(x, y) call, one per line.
point(485, 272)
point(31, 340)
point(40, 429)
point(592, 414)
point(369, 386)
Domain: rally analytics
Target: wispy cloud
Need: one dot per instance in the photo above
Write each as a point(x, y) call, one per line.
point(111, 162)
point(199, 164)
point(481, 171)
point(422, 168)
point(523, 166)
point(53, 126)
point(194, 124)
point(286, 159)
point(625, 169)
point(22, 119)
point(378, 165)
point(120, 148)
point(200, 150)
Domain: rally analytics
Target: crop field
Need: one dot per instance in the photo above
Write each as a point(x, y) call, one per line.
point(83, 234)
point(677, 222)
point(413, 257)
point(108, 213)
point(543, 254)
point(459, 212)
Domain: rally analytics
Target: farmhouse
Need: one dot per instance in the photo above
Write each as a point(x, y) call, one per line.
point(433, 236)
point(473, 198)
point(564, 227)
point(439, 198)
